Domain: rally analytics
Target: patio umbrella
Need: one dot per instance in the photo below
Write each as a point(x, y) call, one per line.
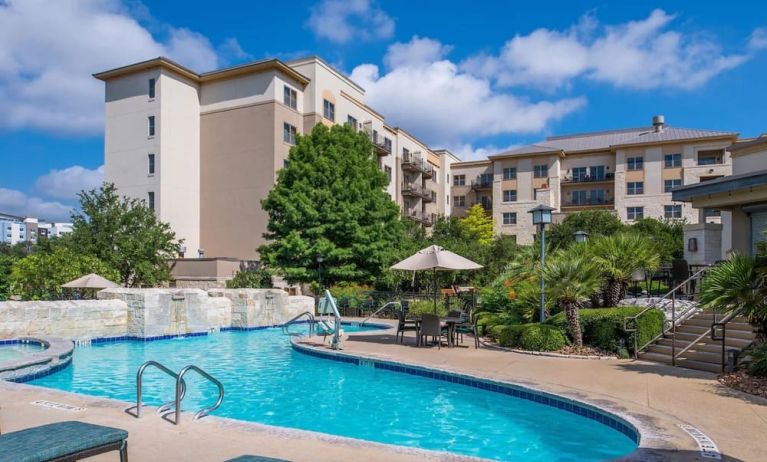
point(435, 258)
point(90, 281)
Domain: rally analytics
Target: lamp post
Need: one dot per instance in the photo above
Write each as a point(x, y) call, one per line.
point(542, 217)
point(581, 236)
point(320, 259)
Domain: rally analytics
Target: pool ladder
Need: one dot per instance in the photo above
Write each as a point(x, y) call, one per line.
point(180, 391)
point(310, 318)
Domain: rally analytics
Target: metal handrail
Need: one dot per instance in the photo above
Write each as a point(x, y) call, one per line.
point(379, 310)
point(179, 395)
point(336, 343)
point(712, 331)
point(295, 319)
point(139, 375)
point(671, 293)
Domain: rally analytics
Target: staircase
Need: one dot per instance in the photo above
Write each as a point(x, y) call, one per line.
point(693, 352)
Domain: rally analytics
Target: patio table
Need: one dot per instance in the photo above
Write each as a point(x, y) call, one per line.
point(450, 322)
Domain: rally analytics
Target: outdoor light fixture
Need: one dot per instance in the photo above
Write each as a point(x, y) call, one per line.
point(581, 236)
point(542, 217)
point(200, 253)
point(320, 259)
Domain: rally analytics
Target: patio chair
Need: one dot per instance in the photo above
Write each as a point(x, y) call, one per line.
point(62, 441)
point(431, 326)
point(403, 326)
point(468, 327)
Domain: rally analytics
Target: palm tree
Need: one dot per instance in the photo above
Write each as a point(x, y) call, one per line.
point(618, 256)
point(570, 277)
point(737, 284)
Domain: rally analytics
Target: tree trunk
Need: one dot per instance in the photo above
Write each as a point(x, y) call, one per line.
point(595, 299)
point(573, 322)
point(612, 293)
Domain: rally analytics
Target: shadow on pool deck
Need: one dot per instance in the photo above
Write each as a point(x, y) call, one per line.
point(660, 455)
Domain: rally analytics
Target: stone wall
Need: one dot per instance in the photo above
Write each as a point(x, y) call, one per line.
point(262, 307)
point(72, 319)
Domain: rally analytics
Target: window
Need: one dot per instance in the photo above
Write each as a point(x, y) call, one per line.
point(329, 110)
point(510, 195)
point(152, 85)
point(668, 185)
point(635, 163)
point(710, 157)
point(597, 172)
point(352, 122)
point(447, 199)
point(459, 180)
point(635, 213)
point(597, 196)
point(387, 144)
point(672, 211)
point(406, 154)
point(541, 171)
point(486, 179)
point(151, 125)
point(290, 97)
point(633, 188)
point(579, 197)
point(387, 171)
point(288, 133)
point(150, 158)
point(509, 218)
point(510, 173)
point(579, 174)
point(151, 199)
point(672, 160)
point(459, 201)
point(710, 213)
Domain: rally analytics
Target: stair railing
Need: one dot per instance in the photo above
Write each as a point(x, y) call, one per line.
point(716, 337)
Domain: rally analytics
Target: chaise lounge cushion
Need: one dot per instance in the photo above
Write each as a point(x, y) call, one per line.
point(255, 459)
point(54, 440)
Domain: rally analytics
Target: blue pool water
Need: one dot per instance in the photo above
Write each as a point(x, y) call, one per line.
point(267, 381)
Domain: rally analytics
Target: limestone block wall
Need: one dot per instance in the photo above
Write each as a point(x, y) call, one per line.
point(74, 319)
point(262, 307)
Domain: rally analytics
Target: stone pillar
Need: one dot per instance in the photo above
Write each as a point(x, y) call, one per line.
point(703, 243)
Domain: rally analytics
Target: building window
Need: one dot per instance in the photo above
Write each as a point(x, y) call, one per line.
point(459, 180)
point(288, 133)
point(509, 218)
point(510, 195)
point(290, 97)
point(541, 171)
point(387, 144)
point(459, 201)
point(635, 163)
point(329, 110)
point(447, 199)
point(151, 125)
point(635, 213)
point(711, 157)
point(150, 158)
point(486, 179)
point(387, 170)
point(152, 85)
point(668, 185)
point(672, 160)
point(636, 187)
point(150, 200)
point(510, 173)
point(406, 154)
point(352, 122)
point(710, 213)
point(672, 211)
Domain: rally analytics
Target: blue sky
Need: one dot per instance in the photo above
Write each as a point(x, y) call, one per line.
point(475, 77)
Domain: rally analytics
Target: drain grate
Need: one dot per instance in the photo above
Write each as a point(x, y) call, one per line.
point(707, 446)
point(59, 406)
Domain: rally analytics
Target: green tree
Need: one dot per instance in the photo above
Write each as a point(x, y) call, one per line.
point(260, 278)
point(595, 222)
point(330, 201)
point(41, 274)
point(125, 234)
point(478, 225)
point(618, 256)
point(570, 277)
point(666, 235)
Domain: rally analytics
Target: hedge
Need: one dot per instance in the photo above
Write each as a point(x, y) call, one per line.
point(533, 337)
point(603, 327)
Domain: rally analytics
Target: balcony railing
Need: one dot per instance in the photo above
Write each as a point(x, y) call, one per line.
point(588, 178)
point(426, 219)
point(412, 161)
point(429, 195)
point(487, 205)
point(482, 183)
point(589, 201)
point(381, 147)
point(412, 189)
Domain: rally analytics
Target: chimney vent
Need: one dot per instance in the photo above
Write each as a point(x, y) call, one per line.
point(657, 122)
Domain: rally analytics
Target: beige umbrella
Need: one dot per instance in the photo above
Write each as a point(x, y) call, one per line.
point(436, 258)
point(90, 281)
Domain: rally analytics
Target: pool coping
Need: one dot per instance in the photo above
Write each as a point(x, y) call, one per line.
point(56, 356)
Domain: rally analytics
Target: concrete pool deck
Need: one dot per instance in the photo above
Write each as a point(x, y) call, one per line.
point(656, 398)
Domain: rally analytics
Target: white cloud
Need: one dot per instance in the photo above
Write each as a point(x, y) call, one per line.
point(434, 99)
point(415, 52)
point(642, 54)
point(468, 152)
point(66, 183)
point(18, 203)
point(49, 49)
point(758, 39)
point(342, 21)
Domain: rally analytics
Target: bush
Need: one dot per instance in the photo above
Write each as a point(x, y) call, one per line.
point(419, 307)
point(758, 364)
point(251, 279)
point(532, 337)
point(351, 293)
point(603, 327)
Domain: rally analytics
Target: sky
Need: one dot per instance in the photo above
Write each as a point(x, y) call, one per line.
point(474, 77)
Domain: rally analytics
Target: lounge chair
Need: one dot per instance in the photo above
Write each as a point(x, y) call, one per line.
point(62, 441)
point(249, 458)
point(431, 327)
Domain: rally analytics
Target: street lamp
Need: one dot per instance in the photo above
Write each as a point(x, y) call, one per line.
point(581, 236)
point(542, 217)
point(320, 259)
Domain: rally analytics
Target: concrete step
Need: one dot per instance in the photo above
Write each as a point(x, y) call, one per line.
point(706, 344)
point(694, 353)
point(732, 325)
point(697, 330)
point(710, 316)
point(681, 362)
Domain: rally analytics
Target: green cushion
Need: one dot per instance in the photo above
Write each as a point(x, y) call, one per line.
point(255, 459)
point(47, 442)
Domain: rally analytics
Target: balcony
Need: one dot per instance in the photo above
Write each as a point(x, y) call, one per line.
point(482, 183)
point(589, 202)
point(486, 205)
point(607, 177)
point(412, 161)
point(381, 145)
point(429, 195)
point(412, 189)
point(426, 219)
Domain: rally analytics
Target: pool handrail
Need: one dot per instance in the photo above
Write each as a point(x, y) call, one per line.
point(330, 301)
point(295, 319)
point(180, 395)
point(139, 376)
point(381, 309)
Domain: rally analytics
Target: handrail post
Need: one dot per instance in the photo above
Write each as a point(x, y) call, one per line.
point(178, 396)
point(673, 328)
point(724, 341)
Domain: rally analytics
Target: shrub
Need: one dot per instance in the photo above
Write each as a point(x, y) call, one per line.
point(533, 337)
point(260, 278)
point(603, 327)
point(352, 293)
point(758, 364)
point(419, 307)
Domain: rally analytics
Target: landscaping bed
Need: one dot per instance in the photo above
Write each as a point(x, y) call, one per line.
point(746, 383)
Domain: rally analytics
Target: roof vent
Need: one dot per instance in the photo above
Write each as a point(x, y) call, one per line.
point(657, 122)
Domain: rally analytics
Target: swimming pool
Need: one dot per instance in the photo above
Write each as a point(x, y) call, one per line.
point(19, 349)
point(267, 381)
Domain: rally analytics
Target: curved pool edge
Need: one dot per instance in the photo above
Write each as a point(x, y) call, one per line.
point(56, 355)
point(618, 420)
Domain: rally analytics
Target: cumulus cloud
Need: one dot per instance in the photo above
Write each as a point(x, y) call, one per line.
point(66, 183)
point(341, 21)
point(48, 51)
point(433, 98)
point(643, 54)
point(468, 152)
point(18, 203)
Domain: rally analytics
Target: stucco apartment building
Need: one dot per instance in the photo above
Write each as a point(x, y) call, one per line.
point(629, 171)
point(204, 149)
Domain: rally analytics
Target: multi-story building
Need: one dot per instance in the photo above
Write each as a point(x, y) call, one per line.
point(204, 149)
point(15, 229)
point(629, 171)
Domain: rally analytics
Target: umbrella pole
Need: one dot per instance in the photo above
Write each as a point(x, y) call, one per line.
point(434, 274)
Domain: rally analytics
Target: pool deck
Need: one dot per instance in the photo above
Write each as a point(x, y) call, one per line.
point(656, 398)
